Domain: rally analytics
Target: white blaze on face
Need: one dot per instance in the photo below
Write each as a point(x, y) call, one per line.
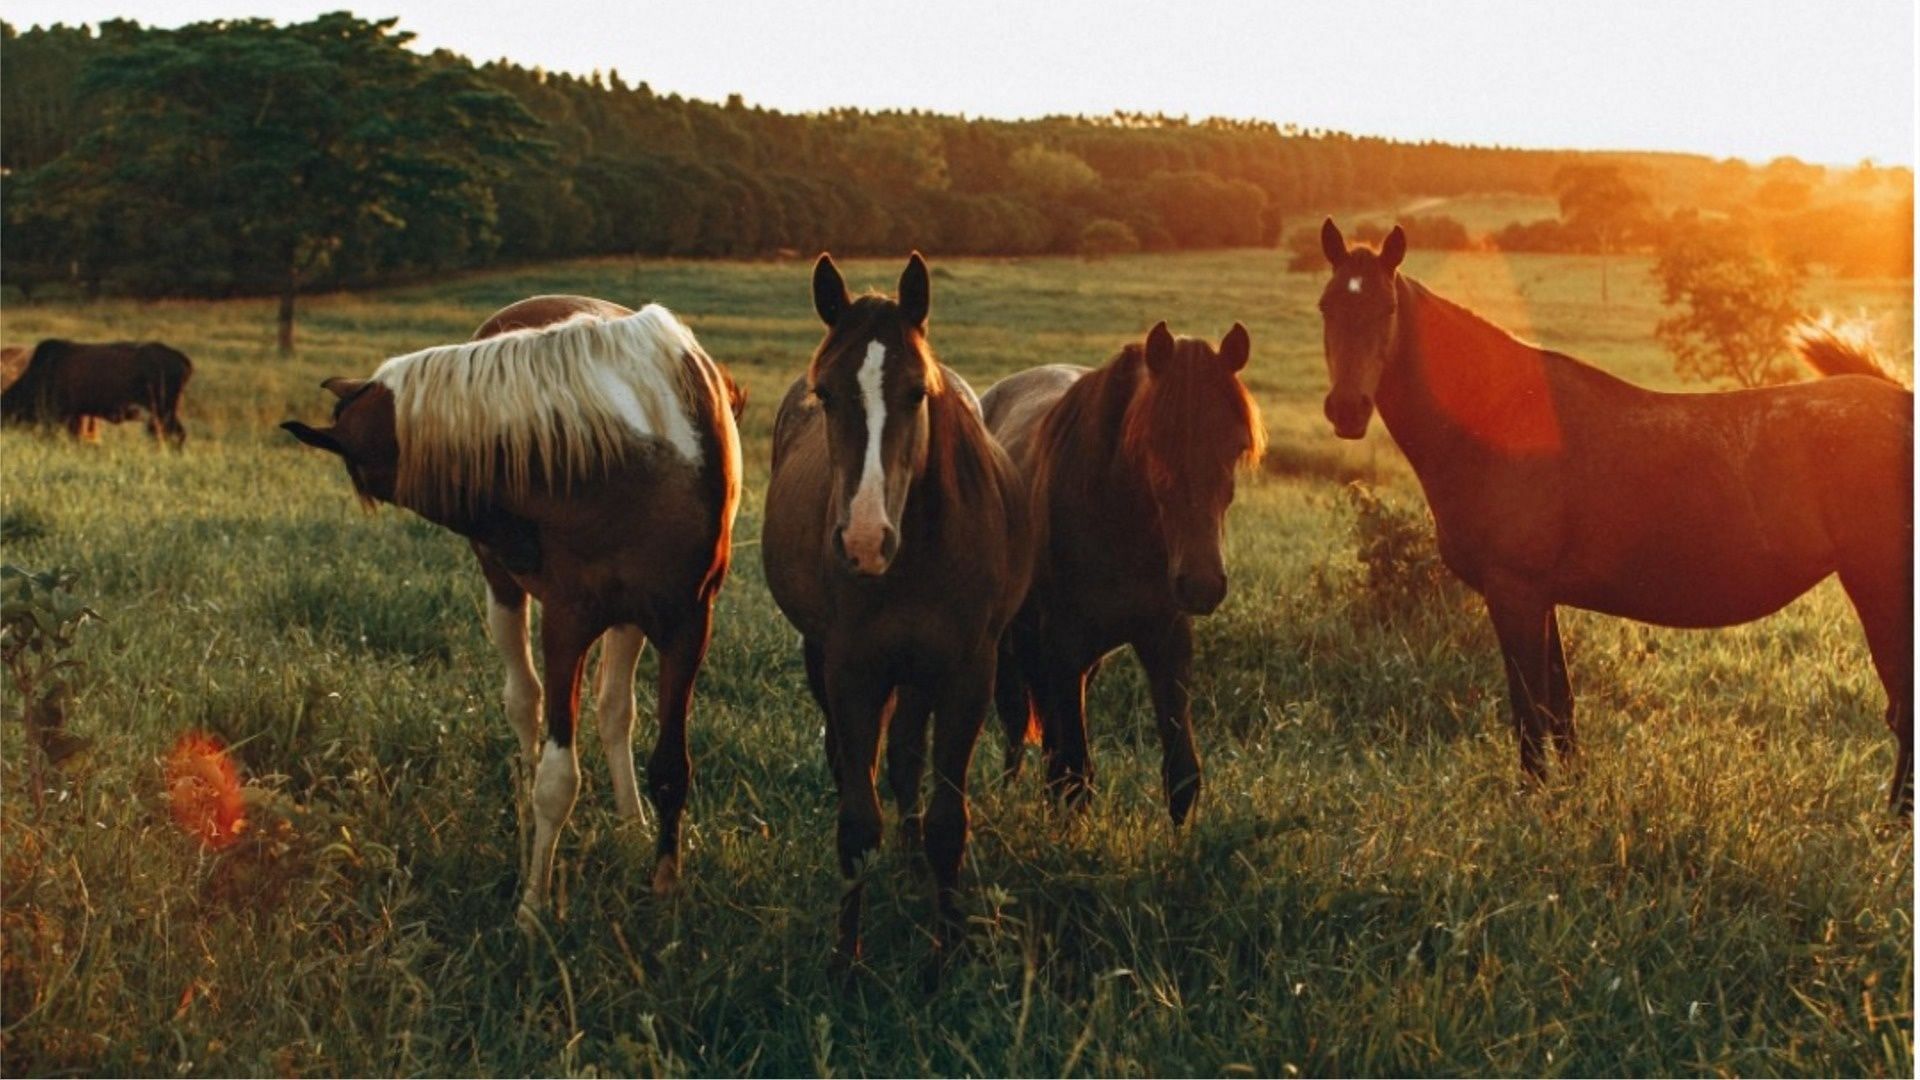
point(867, 515)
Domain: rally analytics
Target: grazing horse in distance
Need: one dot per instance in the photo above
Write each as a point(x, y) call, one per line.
point(895, 541)
point(1552, 482)
point(1130, 470)
point(589, 454)
point(79, 385)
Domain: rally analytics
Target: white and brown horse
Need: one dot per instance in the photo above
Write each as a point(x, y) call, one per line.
point(589, 454)
point(1552, 482)
point(895, 541)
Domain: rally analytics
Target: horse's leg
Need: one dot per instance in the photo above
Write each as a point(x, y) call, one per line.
point(1520, 619)
point(1559, 692)
point(961, 712)
point(670, 769)
point(906, 758)
point(1060, 690)
point(507, 626)
point(853, 744)
point(1013, 700)
point(565, 636)
point(1885, 606)
point(613, 705)
point(1168, 658)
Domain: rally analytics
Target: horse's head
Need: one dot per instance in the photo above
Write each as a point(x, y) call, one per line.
point(872, 375)
point(1360, 314)
point(1190, 426)
point(362, 434)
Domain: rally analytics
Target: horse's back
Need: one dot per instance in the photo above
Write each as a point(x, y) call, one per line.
point(1015, 406)
point(538, 311)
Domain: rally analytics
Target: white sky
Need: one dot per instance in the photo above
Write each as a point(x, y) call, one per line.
point(1829, 82)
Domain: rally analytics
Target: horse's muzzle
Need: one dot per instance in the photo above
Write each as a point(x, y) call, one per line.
point(867, 552)
point(1199, 594)
point(1349, 414)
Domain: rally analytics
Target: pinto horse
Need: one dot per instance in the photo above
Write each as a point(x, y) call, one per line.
point(895, 541)
point(1552, 482)
point(589, 454)
point(1130, 471)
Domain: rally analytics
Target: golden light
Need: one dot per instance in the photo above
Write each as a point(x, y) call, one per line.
point(203, 790)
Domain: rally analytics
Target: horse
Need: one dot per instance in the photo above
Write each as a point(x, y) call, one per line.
point(589, 454)
point(895, 542)
point(1130, 470)
point(78, 385)
point(1553, 483)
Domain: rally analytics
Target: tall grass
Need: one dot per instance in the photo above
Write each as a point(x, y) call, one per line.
point(1367, 888)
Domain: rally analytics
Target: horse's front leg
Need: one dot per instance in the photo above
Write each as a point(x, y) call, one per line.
point(1168, 659)
point(958, 718)
point(1521, 620)
point(565, 636)
point(906, 758)
point(857, 697)
point(670, 769)
point(507, 626)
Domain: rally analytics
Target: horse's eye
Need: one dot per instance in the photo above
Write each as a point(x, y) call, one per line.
point(916, 395)
point(820, 395)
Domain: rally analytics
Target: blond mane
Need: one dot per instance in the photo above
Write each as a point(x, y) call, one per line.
point(545, 408)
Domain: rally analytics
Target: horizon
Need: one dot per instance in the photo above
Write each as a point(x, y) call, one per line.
point(1757, 87)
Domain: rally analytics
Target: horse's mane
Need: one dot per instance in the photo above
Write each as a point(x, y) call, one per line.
point(553, 405)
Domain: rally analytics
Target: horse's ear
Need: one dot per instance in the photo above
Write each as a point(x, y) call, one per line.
point(1394, 249)
point(320, 437)
point(1159, 347)
point(1332, 244)
point(343, 388)
point(830, 299)
point(916, 292)
point(1236, 347)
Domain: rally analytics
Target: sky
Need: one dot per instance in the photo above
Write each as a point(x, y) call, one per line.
point(1828, 82)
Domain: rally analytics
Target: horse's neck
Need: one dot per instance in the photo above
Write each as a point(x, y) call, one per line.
point(1458, 390)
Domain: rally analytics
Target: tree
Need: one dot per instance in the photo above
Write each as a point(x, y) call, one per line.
point(1734, 305)
point(1597, 203)
point(1105, 236)
point(291, 144)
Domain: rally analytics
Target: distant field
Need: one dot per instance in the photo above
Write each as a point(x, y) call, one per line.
point(1365, 890)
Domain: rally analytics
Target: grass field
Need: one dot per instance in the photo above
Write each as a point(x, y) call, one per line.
point(1366, 889)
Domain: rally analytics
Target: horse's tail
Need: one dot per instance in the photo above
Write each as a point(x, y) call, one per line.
point(1833, 348)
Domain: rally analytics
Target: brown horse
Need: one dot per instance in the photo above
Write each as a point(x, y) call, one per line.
point(1130, 470)
point(1552, 482)
point(589, 454)
point(78, 385)
point(895, 541)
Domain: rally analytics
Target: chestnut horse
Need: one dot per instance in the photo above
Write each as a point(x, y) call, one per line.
point(1552, 482)
point(589, 454)
point(79, 385)
point(895, 541)
point(1130, 470)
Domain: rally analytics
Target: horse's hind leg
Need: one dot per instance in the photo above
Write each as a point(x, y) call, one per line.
point(1521, 621)
point(1885, 606)
point(619, 652)
point(1168, 658)
point(670, 769)
point(565, 636)
point(507, 626)
point(1013, 701)
point(1559, 693)
point(906, 759)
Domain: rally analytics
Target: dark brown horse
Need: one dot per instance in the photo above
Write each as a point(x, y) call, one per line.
point(78, 385)
point(1130, 470)
point(895, 541)
point(1552, 482)
point(589, 454)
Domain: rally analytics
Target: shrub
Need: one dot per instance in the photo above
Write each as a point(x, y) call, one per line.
point(1399, 557)
point(1105, 236)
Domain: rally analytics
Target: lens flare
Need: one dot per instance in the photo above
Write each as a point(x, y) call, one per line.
point(203, 789)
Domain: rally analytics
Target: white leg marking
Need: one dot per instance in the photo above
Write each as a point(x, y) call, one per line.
point(556, 782)
point(619, 651)
point(508, 629)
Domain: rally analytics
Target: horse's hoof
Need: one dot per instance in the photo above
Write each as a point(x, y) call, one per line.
point(666, 875)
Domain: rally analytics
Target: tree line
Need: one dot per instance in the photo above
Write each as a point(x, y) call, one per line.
point(248, 157)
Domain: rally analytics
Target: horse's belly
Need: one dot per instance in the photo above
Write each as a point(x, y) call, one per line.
point(1692, 594)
